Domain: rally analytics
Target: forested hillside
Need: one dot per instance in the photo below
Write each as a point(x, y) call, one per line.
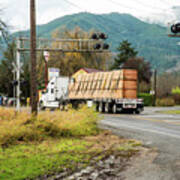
point(149, 39)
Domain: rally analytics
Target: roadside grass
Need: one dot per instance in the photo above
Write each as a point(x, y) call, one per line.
point(171, 112)
point(54, 142)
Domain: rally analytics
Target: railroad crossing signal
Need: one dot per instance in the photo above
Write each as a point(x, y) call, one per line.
point(94, 44)
point(175, 30)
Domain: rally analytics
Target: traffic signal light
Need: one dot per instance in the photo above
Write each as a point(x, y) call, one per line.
point(14, 83)
point(175, 28)
point(95, 36)
point(100, 45)
point(97, 46)
point(24, 82)
point(102, 36)
point(105, 46)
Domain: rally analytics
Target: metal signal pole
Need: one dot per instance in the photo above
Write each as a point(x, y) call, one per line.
point(33, 57)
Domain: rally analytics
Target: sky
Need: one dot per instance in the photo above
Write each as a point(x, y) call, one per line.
point(16, 12)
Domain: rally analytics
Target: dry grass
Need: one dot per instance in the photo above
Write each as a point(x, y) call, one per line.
point(16, 128)
point(54, 142)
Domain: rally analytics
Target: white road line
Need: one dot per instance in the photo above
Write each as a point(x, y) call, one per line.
point(141, 129)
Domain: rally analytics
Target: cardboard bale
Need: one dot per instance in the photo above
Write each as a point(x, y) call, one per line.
point(86, 83)
point(109, 79)
point(117, 93)
point(117, 74)
point(130, 84)
point(130, 94)
point(107, 94)
point(99, 80)
point(104, 80)
point(120, 84)
point(94, 83)
point(90, 82)
point(130, 74)
point(114, 84)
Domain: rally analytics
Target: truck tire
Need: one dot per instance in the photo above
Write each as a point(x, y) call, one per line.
point(101, 108)
point(108, 108)
point(97, 107)
point(61, 107)
point(137, 111)
point(114, 109)
point(41, 106)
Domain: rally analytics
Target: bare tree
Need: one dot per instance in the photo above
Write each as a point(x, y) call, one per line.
point(3, 29)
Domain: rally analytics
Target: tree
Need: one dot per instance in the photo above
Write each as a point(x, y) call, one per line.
point(6, 72)
point(125, 52)
point(6, 67)
point(143, 67)
point(3, 30)
point(68, 63)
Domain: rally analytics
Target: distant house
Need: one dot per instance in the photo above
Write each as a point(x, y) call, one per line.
point(85, 71)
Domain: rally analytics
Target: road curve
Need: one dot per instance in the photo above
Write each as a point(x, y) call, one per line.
point(157, 131)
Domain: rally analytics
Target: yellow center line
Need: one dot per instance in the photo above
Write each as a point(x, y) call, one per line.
point(155, 120)
point(147, 119)
point(144, 118)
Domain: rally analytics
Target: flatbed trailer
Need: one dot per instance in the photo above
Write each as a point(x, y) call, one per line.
point(110, 92)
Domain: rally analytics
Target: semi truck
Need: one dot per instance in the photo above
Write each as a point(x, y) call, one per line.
point(110, 91)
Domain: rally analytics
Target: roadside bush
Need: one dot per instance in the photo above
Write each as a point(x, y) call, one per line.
point(176, 90)
point(148, 98)
point(176, 98)
point(16, 128)
point(176, 95)
point(165, 102)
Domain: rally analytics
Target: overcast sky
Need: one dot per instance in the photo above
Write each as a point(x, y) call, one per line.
point(16, 12)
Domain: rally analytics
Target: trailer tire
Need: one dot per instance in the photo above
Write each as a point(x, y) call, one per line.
point(114, 109)
point(101, 107)
point(108, 108)
point(137, 111)
point(97, 107)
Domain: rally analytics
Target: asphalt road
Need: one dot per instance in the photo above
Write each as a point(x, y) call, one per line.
point(157, 131)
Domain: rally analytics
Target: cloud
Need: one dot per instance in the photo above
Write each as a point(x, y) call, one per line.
point(16, 12)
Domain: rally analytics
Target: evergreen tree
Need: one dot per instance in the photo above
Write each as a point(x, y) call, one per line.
point(6, 67)
point(125, 52)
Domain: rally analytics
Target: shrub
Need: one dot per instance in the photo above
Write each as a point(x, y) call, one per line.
point(176, 90)
point(148, 98)
point(165, 102)
point(176, 95)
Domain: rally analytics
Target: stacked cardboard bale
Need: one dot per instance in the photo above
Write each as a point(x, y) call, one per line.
point(114, 84)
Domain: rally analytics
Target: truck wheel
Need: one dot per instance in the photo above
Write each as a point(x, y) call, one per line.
point(101, 107)
point(114, 108)
point(108, 108)
point(137, 111)
point(41, 106)
point(97, 107)
point(61, 107)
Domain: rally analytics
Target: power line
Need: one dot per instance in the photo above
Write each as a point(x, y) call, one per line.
point(134, 8)
point(149, 5)
point(74, 5)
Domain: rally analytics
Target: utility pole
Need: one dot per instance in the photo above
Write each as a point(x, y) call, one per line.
point(155, 87)
point(33, 58)
point(18, 79)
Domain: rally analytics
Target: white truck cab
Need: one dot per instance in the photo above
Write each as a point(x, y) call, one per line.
point(57, 90)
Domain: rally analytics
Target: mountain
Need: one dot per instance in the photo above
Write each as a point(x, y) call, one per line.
point(150, 40)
